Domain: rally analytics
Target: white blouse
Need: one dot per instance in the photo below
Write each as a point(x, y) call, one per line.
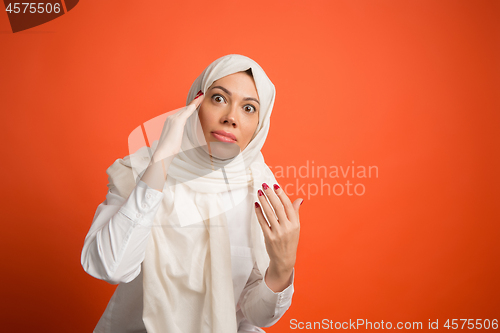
point(115, 247)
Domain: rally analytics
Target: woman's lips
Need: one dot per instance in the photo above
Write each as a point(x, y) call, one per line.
point(224, 136)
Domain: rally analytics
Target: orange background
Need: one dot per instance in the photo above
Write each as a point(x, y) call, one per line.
point(411, 87)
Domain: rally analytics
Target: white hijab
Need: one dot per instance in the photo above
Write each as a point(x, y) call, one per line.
point(187, 277)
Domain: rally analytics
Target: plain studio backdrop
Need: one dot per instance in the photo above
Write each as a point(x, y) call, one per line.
point(409, 88)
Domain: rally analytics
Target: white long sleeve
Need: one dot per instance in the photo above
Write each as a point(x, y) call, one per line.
point(115, 245)
point(260, 305)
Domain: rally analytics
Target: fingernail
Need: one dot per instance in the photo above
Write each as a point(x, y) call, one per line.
point(256, 205)
point(198, 94)
point(301, 202)
point(276, 187)
point(260, 193)
point(264, 186)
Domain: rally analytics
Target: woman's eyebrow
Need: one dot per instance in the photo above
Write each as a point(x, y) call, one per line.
point(229, 93)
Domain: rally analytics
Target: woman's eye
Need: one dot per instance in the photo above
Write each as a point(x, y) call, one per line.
point(218, 98)
point(250, 108)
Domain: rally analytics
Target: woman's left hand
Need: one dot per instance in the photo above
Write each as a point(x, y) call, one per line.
point(281, 234)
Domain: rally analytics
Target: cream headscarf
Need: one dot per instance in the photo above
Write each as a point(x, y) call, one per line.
point(187, 277)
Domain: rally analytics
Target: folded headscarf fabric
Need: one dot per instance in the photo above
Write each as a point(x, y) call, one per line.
point(187, 278)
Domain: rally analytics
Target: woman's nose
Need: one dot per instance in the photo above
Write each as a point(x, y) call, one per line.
point(230, 116)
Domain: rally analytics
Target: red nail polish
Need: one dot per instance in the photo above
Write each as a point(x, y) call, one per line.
point(256, 205)
point(198, 94)
point(276, 187)
point(301, 202)
point(264, 186)
point(260, 193)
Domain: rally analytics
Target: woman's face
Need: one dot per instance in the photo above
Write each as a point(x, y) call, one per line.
point(229, 114)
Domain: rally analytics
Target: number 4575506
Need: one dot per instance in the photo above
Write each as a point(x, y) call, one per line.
point(40, 7)
point(472, 324)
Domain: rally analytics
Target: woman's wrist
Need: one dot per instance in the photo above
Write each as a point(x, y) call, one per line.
point(278, 278)
point(155, 174)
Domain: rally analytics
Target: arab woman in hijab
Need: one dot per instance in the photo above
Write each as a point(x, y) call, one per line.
point(195, 229)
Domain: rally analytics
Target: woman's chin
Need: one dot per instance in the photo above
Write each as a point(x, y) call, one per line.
point(224, 150)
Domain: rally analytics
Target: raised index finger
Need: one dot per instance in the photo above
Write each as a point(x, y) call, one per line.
point(194, 104)
point(197, 99)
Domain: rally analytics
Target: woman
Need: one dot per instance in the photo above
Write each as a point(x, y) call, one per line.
point(187, 240)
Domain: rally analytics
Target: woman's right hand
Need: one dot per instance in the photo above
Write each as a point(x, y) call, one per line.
point(170, 140)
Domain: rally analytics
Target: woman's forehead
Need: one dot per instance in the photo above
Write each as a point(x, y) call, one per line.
point(237, 82)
